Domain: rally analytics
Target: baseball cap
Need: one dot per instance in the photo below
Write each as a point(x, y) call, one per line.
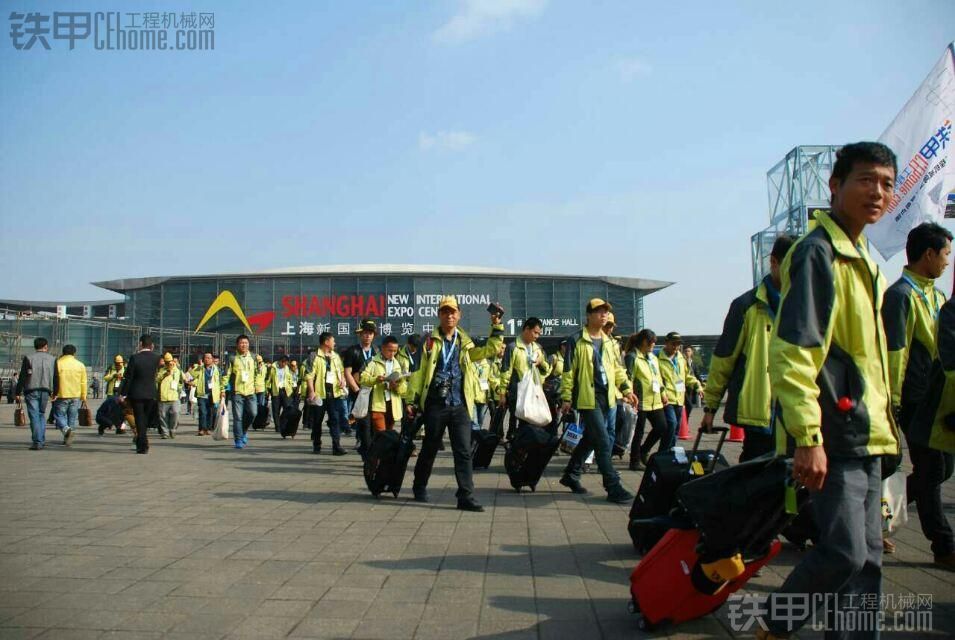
point(118, 359)
point(449, 301)
point(367, 325)
point(611, 319)
point(258, 358)
point(674, 336)
point(596, 303)
point(167, 357)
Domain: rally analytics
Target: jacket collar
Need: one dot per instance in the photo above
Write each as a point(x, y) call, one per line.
point(840, 239)
point(462, 336)
point(927, 284)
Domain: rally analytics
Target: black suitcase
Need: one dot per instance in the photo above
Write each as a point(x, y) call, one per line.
point(289, 420)
point(497, 420)
point(483, 445)
point(527, 455)
point(262, 418)
point(387, 460)
point(802, 529)
point(657, 493)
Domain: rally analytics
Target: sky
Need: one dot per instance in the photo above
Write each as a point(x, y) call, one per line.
point(602, 138)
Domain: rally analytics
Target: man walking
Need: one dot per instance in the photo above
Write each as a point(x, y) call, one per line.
point(242, 377)
point(169, 380)
point(326, 390)
point(139, 388)
point(356, 358)
point(69, 392)
point(208, 386)
point(36, 384)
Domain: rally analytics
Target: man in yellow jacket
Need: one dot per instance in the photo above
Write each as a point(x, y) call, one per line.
point(169, 380)
point(209, 393)
point(739, 366)
point(280, 385)
point(69, 392)
point(523, 355)
point(388, 380)
point(241, 376)
point(326, 393)
point(829, 370)
point(910, 312)
point(114, 376)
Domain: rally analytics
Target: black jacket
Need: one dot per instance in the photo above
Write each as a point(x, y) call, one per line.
point(139, 381)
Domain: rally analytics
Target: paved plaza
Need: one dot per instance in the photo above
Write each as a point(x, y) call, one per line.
point(198, 540)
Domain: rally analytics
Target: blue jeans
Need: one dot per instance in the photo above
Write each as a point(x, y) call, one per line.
point(673, 415)
point(479, 411)
point(595, 438)
point(334, 408)
point(260, 400)
point(207, 413)
point(240, 406)
point(612, 423)
point(66, 413)
point(36, 409)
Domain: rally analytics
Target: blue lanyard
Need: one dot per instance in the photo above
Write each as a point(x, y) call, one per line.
point(529, 350)
point(652, 364)
point(368, 354)
point(447, 353)
point(675, 361)
point(929, 306)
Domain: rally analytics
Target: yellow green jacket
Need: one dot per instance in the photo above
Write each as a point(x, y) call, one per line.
point(647, 381)
point(406, 358)
point(199, 380)
point(69, 378)
point(577, 381)
point(169, 383)
point(739, 366)
point(369, 378)
point(113, 377)
point(556, 365)
point(674, 370)
point(272, 381)
point(909, 311)
point(934, 422)
point(514, 365)
point(318, 371)
point(467, 352)
point(482, 381)
point(241, 374)
point(828, 343)
point(261, 371)
point(494, 377)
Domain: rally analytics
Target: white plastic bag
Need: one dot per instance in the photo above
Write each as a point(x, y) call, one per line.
point(222, 430)
point(360, 408)
point(894, 510)
point(532, 406)
point(625, 435)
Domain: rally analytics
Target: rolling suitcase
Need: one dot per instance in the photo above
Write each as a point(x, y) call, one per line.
point(387, 460)
point(497, 421)
point(291, 416)
point(527, 455)
point(670, 585)
point(262, 418)
point(483, 445)
point(665, 473)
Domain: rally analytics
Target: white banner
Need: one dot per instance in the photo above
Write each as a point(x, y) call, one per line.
point(921, 137)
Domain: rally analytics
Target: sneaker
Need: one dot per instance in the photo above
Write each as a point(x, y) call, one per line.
point(316, 451)
point(946, 562)
point(338, 451)
point(470, 504)
point(420, 495)
point(35, 447)
point(573, 485)
point(245, 439)
point(619, 495)
point(163, 436)
point(239, 444)
point(172, 434)
point(68, 437)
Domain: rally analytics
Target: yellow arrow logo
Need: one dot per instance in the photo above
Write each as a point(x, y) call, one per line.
point(225, 300)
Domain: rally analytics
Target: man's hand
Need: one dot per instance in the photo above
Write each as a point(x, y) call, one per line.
point(564, 408)
point(502, 402)
point(16, 399)
point(707, 423)
point(663, 396)
point(632, 399)
point(311, 397)
point(495, 318)
point(810, 466)
point(410, 411)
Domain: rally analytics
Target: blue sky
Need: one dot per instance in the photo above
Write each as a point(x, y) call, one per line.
point(606, 138)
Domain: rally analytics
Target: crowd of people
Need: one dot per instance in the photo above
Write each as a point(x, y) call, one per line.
point(822, 361)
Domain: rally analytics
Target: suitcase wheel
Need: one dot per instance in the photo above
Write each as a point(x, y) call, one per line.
point(517, 488)
point(644, 625)
point(632, 607)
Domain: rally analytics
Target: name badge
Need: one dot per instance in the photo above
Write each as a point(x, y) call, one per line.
point(655, 386)
point(387, 395)
point(329, 377)
point(245, 376)
point(484, 385)
point(680, 386)
point(603, 377)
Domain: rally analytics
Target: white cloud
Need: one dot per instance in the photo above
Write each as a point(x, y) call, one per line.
point(479, 17)
point(632, 68)
point(446, 140)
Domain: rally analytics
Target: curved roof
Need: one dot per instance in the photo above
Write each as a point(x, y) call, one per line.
point(128, 284)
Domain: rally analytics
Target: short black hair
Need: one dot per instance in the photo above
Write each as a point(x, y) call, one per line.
point(645, 335)
point(324, 336)
point(241, 337)
point(928, 235)
point(868, 152)
point(782, 246)
point(146, 340)
point(69, 350)
point(389, 340)
point(283, 358)
point(414, 340)
point(532, 323)
point(39, 343)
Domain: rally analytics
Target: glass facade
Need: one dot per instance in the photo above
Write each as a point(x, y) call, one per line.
point(297, 308)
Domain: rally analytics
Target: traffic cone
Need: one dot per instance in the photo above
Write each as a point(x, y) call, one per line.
point(736, 434)
point(684, 427)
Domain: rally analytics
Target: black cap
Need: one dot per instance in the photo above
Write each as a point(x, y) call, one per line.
point(674, 336)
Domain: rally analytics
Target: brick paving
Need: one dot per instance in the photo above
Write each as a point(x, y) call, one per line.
point(197, 540)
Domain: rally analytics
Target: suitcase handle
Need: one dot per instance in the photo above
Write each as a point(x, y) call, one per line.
point(723, 431)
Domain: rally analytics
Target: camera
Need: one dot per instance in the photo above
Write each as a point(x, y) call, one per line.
point(441, 388)
point(495, 308)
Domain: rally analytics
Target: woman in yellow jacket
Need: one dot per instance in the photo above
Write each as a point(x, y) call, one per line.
point(648, 387)
point(385, 403)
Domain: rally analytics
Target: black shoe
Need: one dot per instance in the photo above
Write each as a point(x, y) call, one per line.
point(469, 504)
point(441, 446)
point(420, 495)
point(143, 451)
point(573, 485)
point(316, 451)
point(102, 430)
point(338, 451)
point(619, 495)
point(35, 447)
point(635, 465)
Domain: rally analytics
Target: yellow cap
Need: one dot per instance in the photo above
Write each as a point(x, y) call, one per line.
point(596, 303)
point(449, 301)
point(118, 359)
point(610, 319)
point(167, 357)
point(258, 358)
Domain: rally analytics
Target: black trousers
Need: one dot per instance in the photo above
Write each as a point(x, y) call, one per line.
point(457, 421)
point(930, 468)
point(146, 413)
point(279, 403)
point(756, 442)
point(658, 431)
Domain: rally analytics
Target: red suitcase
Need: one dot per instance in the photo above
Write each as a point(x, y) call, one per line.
point(662, 584)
